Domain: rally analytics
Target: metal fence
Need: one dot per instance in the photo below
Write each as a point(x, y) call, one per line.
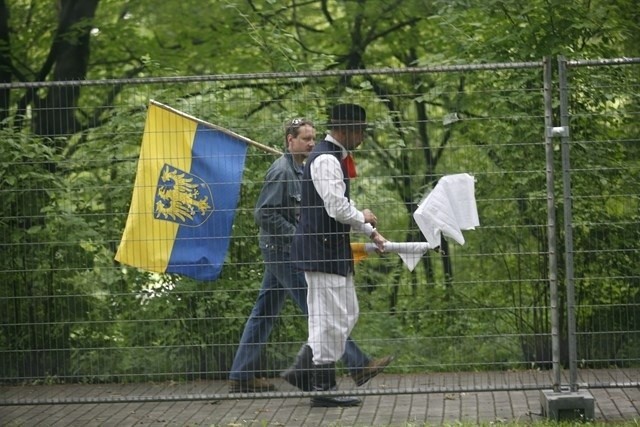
point(549, 281)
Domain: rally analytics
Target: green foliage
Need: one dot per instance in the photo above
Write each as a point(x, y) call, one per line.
point(484, 306)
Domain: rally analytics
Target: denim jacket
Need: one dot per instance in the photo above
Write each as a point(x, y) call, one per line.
point(277, 211)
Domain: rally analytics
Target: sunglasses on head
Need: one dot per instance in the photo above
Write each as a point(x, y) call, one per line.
point(297, 123)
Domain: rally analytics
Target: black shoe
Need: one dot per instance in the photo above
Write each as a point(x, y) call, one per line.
point(334, 402)
point(296, 378)
point(299, 374)
point(324, 379)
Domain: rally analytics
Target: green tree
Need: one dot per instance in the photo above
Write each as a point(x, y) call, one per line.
point(72, 148)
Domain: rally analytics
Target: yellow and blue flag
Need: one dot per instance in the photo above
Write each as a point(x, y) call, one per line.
point(185, 196)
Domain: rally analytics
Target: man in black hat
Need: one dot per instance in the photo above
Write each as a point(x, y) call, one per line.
point(322, 246)
point(277, 214)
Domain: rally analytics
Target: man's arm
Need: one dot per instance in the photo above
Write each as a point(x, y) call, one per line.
point(328, 181)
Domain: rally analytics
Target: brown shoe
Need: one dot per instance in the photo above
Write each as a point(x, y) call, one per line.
point(252, 385)
point(374, 367)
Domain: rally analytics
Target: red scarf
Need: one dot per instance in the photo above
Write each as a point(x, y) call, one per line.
point(350, 166)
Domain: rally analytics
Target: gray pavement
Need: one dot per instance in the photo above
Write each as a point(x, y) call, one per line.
point(416, 400)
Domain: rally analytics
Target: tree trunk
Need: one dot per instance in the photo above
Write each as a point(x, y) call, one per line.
point(54, 115)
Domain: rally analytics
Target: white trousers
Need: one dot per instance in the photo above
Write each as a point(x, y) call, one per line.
point(333, 312)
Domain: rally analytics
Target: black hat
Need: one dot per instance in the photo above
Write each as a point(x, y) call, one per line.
point(347, 115)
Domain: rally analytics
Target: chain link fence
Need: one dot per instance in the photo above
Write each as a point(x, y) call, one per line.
point(547, 282)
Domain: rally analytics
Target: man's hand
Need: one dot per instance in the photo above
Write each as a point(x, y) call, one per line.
point(379, 240)
point(370, 218)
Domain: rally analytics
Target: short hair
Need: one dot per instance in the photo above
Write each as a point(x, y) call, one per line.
point(292, 127)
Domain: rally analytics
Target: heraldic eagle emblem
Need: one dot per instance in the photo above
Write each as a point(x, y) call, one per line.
point(182, 198)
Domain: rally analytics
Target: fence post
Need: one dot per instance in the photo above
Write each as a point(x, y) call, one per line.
point(551, 224)
point(562, 402)
point(568, 223)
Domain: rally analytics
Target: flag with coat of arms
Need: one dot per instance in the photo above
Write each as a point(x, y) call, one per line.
point(185, 196)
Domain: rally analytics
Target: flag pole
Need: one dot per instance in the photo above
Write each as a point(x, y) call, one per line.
point(218, 128)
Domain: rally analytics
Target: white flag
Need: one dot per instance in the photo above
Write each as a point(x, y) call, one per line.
point(448, 209)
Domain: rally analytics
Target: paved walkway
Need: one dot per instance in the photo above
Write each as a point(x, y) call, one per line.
point(420, 400)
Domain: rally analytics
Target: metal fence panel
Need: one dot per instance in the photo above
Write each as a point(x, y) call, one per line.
point(601, 175)
point(72, 314)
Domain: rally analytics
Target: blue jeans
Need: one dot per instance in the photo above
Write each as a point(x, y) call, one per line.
point(281, 278)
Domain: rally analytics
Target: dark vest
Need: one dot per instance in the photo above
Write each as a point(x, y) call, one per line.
point(321, 243)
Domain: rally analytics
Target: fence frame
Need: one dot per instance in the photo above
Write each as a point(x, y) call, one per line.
point(551, 133)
